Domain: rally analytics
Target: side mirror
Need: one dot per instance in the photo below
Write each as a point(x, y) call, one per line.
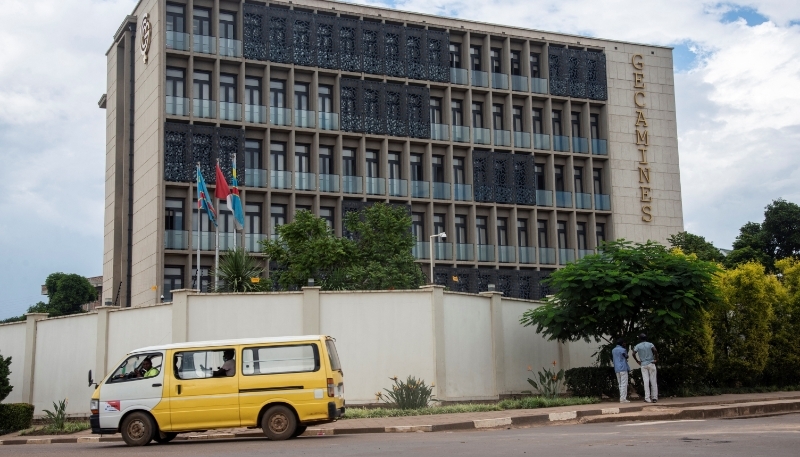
point(91, 380)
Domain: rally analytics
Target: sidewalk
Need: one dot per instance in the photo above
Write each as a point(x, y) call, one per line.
point(666, 409)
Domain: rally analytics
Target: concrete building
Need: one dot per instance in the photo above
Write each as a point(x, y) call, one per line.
point(526, 147)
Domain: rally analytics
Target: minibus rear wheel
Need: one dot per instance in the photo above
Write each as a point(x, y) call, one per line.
point(137, 429)
point(299, 431)
point(164, 437)
point(279, 423)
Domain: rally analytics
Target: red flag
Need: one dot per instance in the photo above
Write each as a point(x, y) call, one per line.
point(222, 191)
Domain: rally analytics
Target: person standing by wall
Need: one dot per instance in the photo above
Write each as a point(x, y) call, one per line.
point(646, 355)
point(620, 356)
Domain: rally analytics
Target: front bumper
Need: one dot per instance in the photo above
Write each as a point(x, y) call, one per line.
point(94, 422)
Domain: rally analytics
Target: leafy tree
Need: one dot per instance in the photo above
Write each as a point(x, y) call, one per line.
point(623, 291)
point(783, 364)
point(741, 323)
point(236, 270)
point(5, 372)
point(747, 255)
point(67, 293)
point(695, 244)
point(776, 238)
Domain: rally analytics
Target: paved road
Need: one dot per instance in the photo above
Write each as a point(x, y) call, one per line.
point(770, 436)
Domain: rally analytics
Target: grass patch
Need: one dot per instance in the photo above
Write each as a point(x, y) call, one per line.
point(522, 403)
point(69, 428)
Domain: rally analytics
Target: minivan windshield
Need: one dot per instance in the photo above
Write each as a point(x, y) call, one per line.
point(333, 355)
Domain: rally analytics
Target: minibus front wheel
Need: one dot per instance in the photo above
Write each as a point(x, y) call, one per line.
point(137, 428)
point(279, 423)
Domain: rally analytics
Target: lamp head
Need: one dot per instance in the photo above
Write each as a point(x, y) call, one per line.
point(443, 235)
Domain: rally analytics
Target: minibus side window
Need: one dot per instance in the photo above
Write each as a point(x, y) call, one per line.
point(333, 355)
point(136, 367)
point(303, 358)
point(205, 364)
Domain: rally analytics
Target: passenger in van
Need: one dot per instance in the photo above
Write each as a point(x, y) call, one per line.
point(229, 366)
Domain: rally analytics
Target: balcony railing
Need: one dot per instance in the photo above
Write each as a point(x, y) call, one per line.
point(305, 181)
point(541, 141)
point(480, 78)
point(178, 41)
point(583, 201)
point(602, 202)
point(376, 186)
point(328, 121)
point(502, 138)
point(522, 140)
point(227, 241)
point(254, 177)
point(465, 252)
point(230, 111)
point(481, 136)
point(230, 48)
point(459, 76)
point(204, 108)
point(352, 184)
point(580, 145)
point(538, 86)
point(279, 179)
point(329, 183)
point(440, 132)
point(255, 114)
point(500, 81)
point(306, 119)
point(462, 192)
point(205, 44)
point(544, 197)
point(584, 252)
point(176, 239)
point(565, 256)
point(563, 199)
point(460, 134)
point(547, 256)
point(599, 147)
point(177, 106)
point(527, 254)
point(519, 83)
point(421, 250)
point(398, 188)
point(485, 252)
point(206, 242)
point(506, 254)
point(420, 189)
point(280, 116)
point(441, 190)
point(252, 241)
point(560, 143)
point(443, 251)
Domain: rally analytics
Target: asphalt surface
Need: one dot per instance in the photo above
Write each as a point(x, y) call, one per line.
point(768, 436)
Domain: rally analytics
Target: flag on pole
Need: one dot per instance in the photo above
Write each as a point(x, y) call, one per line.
point(222, 191)
point(234, 200)
point(203, 198)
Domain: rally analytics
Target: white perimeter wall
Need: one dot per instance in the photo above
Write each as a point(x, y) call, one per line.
point(131, 328)
point(468, 350)
point(215, 317)
point(12, 344)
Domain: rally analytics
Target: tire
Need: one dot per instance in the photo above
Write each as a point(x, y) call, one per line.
point(279, 423)
point(138, 429)
point(299, 431)
point(164, 437)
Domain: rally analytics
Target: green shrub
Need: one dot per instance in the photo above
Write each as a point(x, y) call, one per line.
point(549, 385)
point(592, 382)
point(58, 416)
point(5, 372)
point(411, 394)
point(15, 416)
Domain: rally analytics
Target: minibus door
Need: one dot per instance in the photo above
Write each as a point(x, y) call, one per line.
point(202, 395)
point(135, 384)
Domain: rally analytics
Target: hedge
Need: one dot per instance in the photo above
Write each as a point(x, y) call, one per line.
point(15, 416)
point(602, 381)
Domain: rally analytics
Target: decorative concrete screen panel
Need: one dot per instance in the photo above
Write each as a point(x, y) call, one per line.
point(12, 344)
point(469, 371)
point(577, 73)
point(246, 316)
point(185, 145)
point(134, 328)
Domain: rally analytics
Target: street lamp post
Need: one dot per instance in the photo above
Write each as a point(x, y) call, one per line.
point(433, 258)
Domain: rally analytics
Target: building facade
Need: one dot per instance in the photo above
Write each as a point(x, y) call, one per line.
point(527, 148)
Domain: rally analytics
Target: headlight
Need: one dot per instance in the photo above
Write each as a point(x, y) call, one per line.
point(94, 406)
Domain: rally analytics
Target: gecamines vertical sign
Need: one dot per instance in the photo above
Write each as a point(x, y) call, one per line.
point(642, 138)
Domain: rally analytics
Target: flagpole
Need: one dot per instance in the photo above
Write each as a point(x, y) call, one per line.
point(231, 209)
point(198, 228)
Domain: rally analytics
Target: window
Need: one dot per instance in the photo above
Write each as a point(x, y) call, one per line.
point(461, 229)
point(348, 162)
point(302, 158)
point(416, 168)
point(516, 118)
point(175, 83)
point(252, 155)
point(600, 232)
point(578, 171)
point(594, 126)
point(252, 218)
point(581, 230)
point(225, 219)
point(205, 364)
point(201, 23)
point(536, 113)
point(173, 280)
point(515, 63)
point(173, 208)
point(418, 226)
point(205, 279)
point(522, 232)
point(438, 226)
point(325, 160)
point(561, 230)
point(437, 168)
point(333, 356)
point(538, 170)
point(277, 214)
point(137, 367)
point(252, 91)
point(175, 18)
point(502, 231)
point(559, 178)
point(475, 57)
point(394, 165)
point(277, 93)
point(202, 218)
point(301, 96)
point(477, 115)
point(497, 117)
point(202, 85)
point(535, 65)
point(458, 170)
point(481, 230)
point(303, 358)
point(227, 88)
point(495, 60)
point(576, 124)
point(597, 177)
point(325, 99)
point(227, 25)
point(326, 212)
point(541, 230)
point(436, 110)
point(277, 156)
point(557, 122)
point(456, 107)
point(373, 170)
point(455, 55)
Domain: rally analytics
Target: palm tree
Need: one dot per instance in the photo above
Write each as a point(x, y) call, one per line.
point(236, 271)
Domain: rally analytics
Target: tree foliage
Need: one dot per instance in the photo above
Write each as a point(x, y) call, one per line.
point(5, 372)
point(623, 291)
point(783, 363)
point(778, 237)
point(697, 245)
point(67, 293)
point(236, 272)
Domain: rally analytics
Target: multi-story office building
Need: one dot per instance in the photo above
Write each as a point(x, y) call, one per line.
point(527, 148)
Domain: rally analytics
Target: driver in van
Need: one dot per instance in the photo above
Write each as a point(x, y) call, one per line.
point(229, 366)
point(146, 370)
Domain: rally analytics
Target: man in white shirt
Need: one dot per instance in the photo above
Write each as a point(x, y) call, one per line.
point(646, 355)
point(228, 368)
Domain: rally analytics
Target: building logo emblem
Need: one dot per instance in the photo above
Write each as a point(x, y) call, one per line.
point(146, 36)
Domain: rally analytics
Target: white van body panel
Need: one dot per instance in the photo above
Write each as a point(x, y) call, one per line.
point(117, 398)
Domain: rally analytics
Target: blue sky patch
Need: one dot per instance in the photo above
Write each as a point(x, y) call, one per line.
point(753, 17)
point(683, 59)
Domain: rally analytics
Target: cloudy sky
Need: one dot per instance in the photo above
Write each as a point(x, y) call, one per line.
point(737, 87)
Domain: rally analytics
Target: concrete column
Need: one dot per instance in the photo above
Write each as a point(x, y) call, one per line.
point(437, 307)
point(101, 352)
point(180, 315)
point(498, 342)
point(30, 355)
point(311, 311)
